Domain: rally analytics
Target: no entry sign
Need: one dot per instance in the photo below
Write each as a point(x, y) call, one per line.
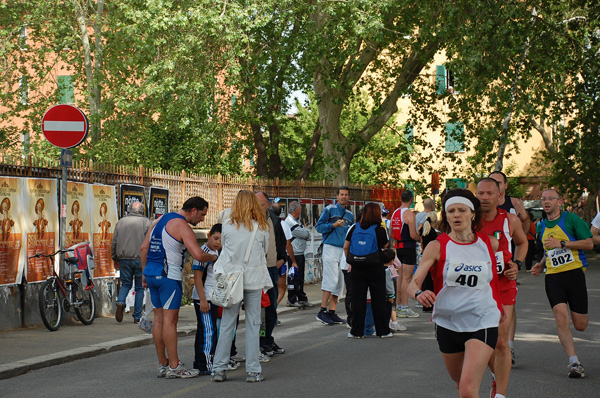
point(65, 126)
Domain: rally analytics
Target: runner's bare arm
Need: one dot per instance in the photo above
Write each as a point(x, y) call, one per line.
point(519, 237)
point(537, 267)
point(582, 244)
point(430, 256)
point(412, 225)
point(188, 237)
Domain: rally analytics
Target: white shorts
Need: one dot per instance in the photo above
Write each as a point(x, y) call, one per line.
point(333, 278)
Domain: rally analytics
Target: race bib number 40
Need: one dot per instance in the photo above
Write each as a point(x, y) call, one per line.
point(468, 275)
point(560, 257)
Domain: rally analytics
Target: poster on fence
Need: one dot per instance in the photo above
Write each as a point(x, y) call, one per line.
point(11, 230)
point(40, 214)
point(78, 213)
point(103, 207)
point(306, 213)
point(159, 202)
point(130, 193)
point(317, 208)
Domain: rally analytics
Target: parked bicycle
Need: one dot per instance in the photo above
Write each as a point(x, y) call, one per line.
point(69, 294)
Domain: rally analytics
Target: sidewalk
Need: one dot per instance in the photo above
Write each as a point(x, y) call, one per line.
point(29, 349)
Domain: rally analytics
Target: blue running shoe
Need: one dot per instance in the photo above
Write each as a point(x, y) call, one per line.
point(324, 318)
point(336, 319)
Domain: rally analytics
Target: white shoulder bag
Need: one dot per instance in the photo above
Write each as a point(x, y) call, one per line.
point(229, 287)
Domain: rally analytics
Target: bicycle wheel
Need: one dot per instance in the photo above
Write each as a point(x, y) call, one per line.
point(85, 305)
point(50, 307)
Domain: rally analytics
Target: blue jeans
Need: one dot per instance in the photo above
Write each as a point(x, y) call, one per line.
point(131, 269)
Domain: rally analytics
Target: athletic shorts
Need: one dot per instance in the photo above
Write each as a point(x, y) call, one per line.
point(508, 290)
point(568, 287)
point(451, 342)
point(407, 256)
point(165, 293)
point(333, 279)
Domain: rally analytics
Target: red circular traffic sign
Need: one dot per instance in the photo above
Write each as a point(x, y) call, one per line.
point(65, 126)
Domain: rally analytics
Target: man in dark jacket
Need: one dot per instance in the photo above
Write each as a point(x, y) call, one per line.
point(276, 256)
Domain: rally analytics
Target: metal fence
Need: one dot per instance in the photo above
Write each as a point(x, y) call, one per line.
point(218, 190)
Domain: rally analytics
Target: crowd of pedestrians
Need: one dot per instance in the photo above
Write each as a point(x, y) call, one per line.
point(462, 269)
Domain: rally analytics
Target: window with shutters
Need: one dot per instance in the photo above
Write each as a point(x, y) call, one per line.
point(444, 80)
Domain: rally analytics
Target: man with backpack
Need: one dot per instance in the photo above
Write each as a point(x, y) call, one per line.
point(333, 224)
point(404, 231)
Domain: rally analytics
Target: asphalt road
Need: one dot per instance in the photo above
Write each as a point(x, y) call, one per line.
point(321, 361)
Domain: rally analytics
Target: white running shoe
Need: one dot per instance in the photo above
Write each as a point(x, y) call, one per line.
point(407, 313)
point(397, 327)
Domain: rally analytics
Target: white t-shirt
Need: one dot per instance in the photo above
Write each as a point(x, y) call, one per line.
point(287, 230)
point(207, 268)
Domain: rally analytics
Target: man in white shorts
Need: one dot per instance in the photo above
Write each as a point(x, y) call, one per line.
point(333, 225)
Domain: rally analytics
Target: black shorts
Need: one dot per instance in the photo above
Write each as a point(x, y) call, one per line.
point(568, 287)
point(407, 256)
point(451, 342)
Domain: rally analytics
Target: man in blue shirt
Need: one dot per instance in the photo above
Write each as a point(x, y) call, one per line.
point(333, 225)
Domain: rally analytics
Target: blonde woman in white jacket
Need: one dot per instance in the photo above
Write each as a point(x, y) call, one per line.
point(246, 214)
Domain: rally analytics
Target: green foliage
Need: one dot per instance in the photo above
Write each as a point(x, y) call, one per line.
point(536, 64)
point(198, 85)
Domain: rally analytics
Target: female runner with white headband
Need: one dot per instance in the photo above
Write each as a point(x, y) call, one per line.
point(467, 308)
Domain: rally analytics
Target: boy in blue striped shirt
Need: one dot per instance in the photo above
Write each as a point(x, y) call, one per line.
point(206, 312)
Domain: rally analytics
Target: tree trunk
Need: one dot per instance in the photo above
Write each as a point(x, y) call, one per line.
point(310, 155)
point(261, 151)
point(334, 142)
point(92, 71)
point(338, 153)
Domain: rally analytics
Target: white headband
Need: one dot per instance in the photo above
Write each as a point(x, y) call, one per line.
point(459, 199)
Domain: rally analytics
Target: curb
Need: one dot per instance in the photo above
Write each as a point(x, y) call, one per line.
point(21, 367)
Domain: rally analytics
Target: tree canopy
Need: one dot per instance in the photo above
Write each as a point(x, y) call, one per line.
point(202, 85)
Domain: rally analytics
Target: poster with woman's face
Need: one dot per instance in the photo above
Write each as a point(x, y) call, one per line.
point(41, 226)
point(78, 214)
point(11, 230)
point(104, 218)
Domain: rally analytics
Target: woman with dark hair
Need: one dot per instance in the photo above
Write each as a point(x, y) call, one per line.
point(40, 223)
point(104, 225)
point(363, 246)
point(467, 308)
point(6, 224)
point(75, 223)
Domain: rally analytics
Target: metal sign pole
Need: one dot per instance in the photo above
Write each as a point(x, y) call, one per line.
point(66, 160)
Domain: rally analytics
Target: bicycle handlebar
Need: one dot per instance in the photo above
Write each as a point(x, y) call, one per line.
point(51, 254)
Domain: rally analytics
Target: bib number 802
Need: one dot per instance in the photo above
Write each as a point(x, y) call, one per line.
point(560, 260)
point(470, 281)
